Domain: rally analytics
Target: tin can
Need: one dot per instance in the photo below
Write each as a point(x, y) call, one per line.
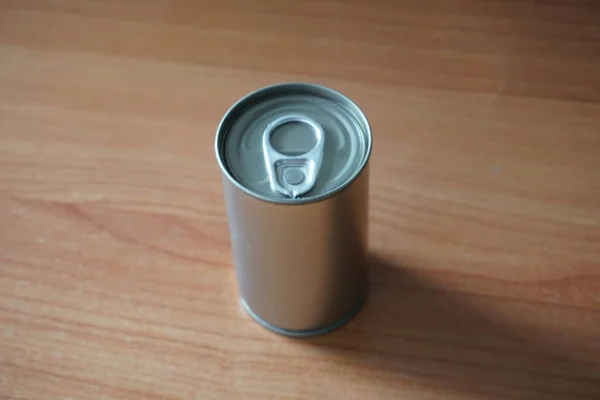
point(294, 161)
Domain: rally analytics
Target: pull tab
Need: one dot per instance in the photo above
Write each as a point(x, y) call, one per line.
point(293, 176)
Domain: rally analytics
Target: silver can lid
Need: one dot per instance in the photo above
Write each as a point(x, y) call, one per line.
point(293, 142)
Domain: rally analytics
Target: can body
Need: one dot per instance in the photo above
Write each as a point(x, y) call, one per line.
point(301, 267)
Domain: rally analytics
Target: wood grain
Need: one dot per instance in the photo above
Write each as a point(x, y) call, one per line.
point(116, 278)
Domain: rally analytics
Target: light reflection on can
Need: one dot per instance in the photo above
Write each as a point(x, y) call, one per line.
point(294, 161)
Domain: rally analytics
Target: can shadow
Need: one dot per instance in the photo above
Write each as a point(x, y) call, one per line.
point(414, 333)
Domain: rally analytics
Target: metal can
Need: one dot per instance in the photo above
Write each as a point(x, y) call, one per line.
point(294, 161)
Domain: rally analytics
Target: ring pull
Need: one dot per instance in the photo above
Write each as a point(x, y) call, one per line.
point(293, 176)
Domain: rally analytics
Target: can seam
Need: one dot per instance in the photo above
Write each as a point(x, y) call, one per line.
point(305, 333)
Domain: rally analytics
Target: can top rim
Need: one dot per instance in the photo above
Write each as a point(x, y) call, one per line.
point(246, 101)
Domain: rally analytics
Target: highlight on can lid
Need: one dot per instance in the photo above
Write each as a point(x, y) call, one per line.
point(293, 143)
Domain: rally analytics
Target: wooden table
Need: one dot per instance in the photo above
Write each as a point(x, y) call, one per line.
point(116, 278)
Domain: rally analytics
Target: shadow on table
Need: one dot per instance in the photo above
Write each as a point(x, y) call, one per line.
point(415, 333)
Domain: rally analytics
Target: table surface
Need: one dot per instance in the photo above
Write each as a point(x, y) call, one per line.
point(116, 276)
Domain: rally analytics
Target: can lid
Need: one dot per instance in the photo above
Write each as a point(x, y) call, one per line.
point(293, 142)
